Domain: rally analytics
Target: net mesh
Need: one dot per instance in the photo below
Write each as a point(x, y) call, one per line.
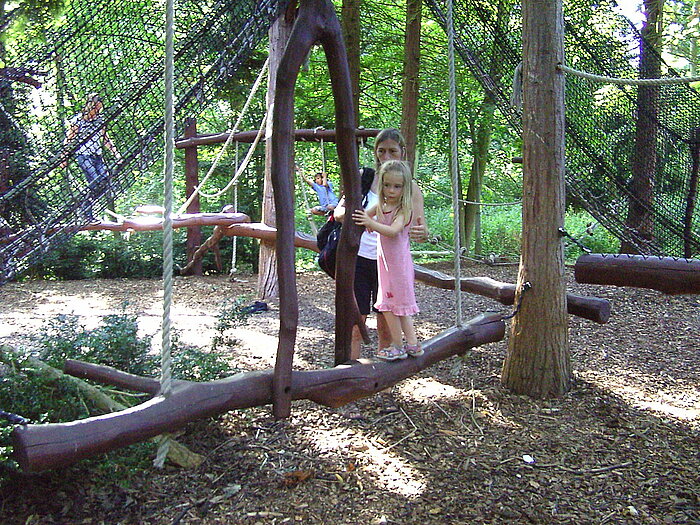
point(114, 49)
point(613, 131)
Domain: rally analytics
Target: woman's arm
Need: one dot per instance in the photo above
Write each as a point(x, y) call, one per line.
point(339, 211)
point(418, 232)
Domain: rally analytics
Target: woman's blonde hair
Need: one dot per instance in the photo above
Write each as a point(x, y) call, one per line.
point(403, 168)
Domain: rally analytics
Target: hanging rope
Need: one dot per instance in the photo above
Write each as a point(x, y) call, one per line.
point(454, 164)
point(241, 168)
point(165, 356)
point(234, 243)
point(629, 81)
point(229, 139)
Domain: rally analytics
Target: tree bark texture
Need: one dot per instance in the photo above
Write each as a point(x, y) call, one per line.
point(303, 135)
point(592, 308)
point(411, 78)
point(538, 362)
point(267, 257)
point(316, 22)
point(42, 447)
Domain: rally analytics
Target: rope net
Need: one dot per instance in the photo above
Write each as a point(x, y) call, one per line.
point(630, 149)
point(115, 50)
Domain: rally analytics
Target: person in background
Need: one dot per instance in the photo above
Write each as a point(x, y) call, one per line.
point(88, 135)
point(327, 200)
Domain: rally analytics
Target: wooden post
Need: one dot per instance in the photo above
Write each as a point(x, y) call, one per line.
point(538, 362)
point(194, 233)
point(267, 257)
point(411, 76)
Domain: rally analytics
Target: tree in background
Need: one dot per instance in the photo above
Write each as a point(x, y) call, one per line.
point(644, 157)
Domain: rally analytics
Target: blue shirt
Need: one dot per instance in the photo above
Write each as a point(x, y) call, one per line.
point(326, 197)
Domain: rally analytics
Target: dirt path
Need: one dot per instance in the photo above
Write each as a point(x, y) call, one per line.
point(448, 446)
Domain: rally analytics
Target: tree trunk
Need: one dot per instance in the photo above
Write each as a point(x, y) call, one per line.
point(480, 151)
point(639, 214)
point(411, 75)
point(194, 234)
point(350, 22)
point(482, 142)
point(267, 258)
point(538, 361)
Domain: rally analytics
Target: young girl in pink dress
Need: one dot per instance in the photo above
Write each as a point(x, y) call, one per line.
point(396, 297)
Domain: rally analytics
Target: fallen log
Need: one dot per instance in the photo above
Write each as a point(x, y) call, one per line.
point(591, 308)
point(42, 447)
point(178, 453)
point(665, 274)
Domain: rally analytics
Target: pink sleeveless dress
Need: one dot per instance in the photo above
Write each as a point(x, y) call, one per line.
point(395, 269)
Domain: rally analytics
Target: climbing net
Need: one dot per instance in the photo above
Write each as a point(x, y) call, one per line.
point(114, 49)
point(613, 130)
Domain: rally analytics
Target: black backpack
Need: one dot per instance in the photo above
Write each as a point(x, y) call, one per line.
point(329, 234)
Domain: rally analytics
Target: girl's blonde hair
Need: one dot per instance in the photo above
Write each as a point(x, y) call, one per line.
point(402, 168)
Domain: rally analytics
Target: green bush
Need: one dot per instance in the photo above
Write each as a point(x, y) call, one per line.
point(582, 227)
point(232, 313)
point(501, 230)
point(115, 342)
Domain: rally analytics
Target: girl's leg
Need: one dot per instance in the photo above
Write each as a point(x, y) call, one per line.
point(408, 330)
point(383, 333)
point(394, 325)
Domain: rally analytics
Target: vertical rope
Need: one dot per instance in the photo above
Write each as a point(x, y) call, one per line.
point(454, 164)
point(165, 356)
point(235, 209)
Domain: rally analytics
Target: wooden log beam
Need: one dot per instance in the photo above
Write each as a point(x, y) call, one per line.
point(664, 274)
point(591, 308)
point(303, 135)
point(185, 220)
point(264, 232)
point(43, 447)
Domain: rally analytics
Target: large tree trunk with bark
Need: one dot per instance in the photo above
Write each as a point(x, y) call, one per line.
point(644, 158)
point(411, 76)
point(267, 257)
point(538, 362)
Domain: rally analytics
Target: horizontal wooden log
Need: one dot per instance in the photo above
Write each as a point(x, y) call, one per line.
point(665, 274)
point(264, 232)
point(178, 453)
point(42, 447)
point(591, 308)
point(307, 135)
point(185, 220)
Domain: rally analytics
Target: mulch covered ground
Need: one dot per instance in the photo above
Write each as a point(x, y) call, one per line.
point(448, 446)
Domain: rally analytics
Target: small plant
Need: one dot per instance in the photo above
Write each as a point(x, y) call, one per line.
point(233, 313)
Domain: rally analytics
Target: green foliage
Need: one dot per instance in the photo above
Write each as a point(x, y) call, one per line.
point(501, 230)
point(581, 226)
point(233, 313)
point(194, 364)
point(115, 342)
